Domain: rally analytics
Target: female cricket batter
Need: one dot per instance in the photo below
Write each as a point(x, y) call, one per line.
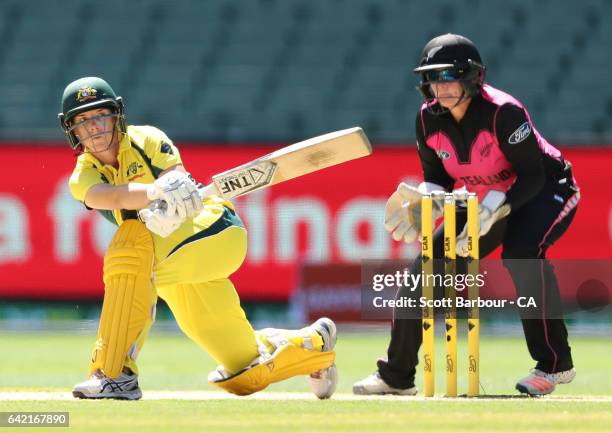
point(476, 136)
point(180, 246)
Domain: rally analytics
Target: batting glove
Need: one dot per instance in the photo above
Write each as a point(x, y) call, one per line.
point(158, 220)
point(179, 192)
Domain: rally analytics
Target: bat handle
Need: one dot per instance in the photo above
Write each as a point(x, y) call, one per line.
point(207, 190)
point(203, 192)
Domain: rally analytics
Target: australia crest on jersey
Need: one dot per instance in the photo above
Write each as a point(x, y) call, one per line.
point(132, 171)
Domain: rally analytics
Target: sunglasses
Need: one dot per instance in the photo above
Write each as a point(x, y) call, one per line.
point(443, 75)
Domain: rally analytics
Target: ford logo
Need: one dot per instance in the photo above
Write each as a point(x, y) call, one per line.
point(521, 133)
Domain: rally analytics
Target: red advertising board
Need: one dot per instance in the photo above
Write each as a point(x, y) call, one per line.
point(51, 246)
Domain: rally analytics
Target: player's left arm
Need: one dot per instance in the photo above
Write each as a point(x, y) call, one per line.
point(517, 141)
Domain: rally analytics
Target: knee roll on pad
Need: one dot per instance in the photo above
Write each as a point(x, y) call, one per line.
point(287, 361)
point(129, 297)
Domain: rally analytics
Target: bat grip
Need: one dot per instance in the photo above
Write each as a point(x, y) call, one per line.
point(207, 190)
point(203, 192)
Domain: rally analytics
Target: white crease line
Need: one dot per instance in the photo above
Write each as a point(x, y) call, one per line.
point(277, 396)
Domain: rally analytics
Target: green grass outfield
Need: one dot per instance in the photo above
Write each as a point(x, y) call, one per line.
point(169, 362)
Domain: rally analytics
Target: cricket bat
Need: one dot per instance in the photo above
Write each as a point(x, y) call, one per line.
point(290, 162)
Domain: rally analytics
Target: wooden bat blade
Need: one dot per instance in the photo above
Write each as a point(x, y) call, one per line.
point(293, 161)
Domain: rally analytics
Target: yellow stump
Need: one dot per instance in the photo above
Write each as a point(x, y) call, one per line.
point(473, 293)
point(428, 312)
point(451, 311)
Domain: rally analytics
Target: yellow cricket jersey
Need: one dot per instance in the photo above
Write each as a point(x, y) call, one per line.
point(144, 152)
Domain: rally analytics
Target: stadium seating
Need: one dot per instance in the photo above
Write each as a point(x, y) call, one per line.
point(278, 70)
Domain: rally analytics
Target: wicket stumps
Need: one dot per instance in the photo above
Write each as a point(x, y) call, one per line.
point(450, 235)
point(473, 316)
point(428, 312)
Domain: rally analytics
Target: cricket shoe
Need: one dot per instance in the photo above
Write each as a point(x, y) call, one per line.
point(375, 385)
point(540, 383)
point(125, 387)
point(323, 382)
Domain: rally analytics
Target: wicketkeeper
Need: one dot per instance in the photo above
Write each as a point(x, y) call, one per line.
point(473, 135)
point(172, 243)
